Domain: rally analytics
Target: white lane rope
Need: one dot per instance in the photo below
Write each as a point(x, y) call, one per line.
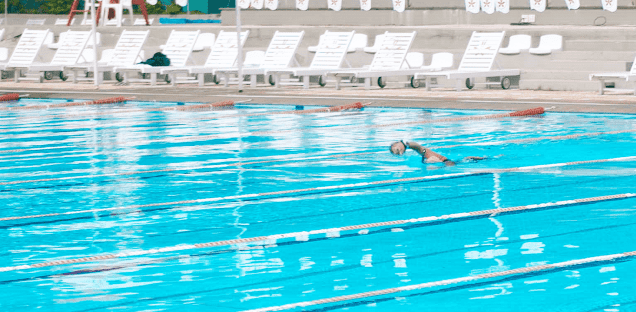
point(327, 188)
point(466, 279)
point(236, 164)
point(328, 232)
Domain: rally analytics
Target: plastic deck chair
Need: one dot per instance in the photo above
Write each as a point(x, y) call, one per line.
point(547, 44)
point(178, 49)
point(69, 52)
point(223, 54)
point(280, 54)
point(390, 60)
point(477, 62)
point(25, 51)
point(119, 11)
point(517, 44)
point(613, 76)
point(126, 53)
point(376, 44)
point(330, 56)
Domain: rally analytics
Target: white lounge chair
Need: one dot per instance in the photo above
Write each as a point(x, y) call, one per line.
point(477, 62)
point(603, 77)
point(178, 49)
point(69, 53)
point(548, 44)
point(126, 53)
point(389, 60)
point(517, 44)
point(329, 57)
point(280, 54)
point(223, 55)
point(25, 51)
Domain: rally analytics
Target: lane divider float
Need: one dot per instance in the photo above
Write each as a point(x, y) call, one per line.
point(9, 97)
point(332, 232)
point(111, 100)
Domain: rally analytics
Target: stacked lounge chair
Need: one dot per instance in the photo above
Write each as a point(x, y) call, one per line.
point(223, 55)
point(477, 62)
point(626, 75)
point(178, 49)
point(69, 53)
point(330, 56)
point(126, 53)
point(25, 52)
point(280, 54)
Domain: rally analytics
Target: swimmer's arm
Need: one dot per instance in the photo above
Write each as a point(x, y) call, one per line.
point(417, 147)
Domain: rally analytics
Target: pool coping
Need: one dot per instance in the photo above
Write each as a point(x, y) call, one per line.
point(481, 99)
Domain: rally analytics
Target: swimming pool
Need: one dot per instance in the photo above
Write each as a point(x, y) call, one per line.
point(148, 185)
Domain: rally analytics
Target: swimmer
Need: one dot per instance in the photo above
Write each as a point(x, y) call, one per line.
point(428, 156)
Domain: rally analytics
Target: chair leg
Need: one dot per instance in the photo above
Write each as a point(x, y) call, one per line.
point(458, 85)
point(601, 86)
point(277, 80)
point(226, 80)
point(338, 79)
point(200, 78)
point(16, 75)
point(367, 83)
point(153, 79)
point(305, 82)
point(253, 81)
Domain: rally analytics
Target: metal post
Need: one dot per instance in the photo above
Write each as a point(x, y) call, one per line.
point(239, 59)
point(6, 14)
point(188, 8)
point(95, 73)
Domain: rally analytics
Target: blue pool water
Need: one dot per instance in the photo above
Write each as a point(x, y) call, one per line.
point(153, 179)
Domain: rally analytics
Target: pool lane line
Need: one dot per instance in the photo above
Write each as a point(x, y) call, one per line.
point(112, 100)
point(83, 128)
point(256, 202)
point(327, 109)
point(332, 232)
point(144, 130)
point(236, 164)
point(522, 113)
point(459, 280)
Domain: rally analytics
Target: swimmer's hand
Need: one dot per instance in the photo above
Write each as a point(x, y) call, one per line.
point(474, 158)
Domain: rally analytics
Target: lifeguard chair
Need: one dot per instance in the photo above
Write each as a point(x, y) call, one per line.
point(89, 3)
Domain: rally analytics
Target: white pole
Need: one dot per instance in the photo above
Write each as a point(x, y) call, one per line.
point(239, 59)
point(95, 73)
point(6, 9)
point(188, 8)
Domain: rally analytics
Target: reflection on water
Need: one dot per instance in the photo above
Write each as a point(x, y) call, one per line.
point(103, 155)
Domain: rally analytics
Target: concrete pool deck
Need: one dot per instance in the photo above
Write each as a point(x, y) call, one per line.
point(479, 98)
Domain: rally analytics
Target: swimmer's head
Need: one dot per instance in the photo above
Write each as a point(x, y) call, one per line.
point(397, 148)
